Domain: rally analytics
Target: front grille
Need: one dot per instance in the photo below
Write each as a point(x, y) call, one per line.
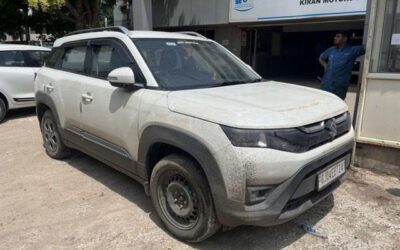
point(314, 135)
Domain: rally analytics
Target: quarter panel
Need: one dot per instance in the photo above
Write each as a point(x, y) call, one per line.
point(65, 96)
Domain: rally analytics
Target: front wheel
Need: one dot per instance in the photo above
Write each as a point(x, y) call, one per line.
point(182, 199)
point(52, 142)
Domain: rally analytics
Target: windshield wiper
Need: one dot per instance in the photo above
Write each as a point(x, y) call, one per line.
point(257, 80)
point(237, 82)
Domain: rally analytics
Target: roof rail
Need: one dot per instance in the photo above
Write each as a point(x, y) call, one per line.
point(191, 33)
point(112, 28)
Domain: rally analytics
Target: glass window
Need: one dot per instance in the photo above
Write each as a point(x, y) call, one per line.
point(106, 58)
point(53, 57)
point(179, 64)
point(36, 58)
point(74, 59)
point(12, 59)
point(389, 60)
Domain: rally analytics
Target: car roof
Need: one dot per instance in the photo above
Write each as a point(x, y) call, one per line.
point(131, 34)
point(21, 47)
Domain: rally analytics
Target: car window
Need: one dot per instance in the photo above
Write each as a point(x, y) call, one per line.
point(74, 59)
point(12, 59)
point(106, 58)
point(36, 58)
point(52, 58)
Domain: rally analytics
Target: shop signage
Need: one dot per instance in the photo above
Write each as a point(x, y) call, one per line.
point(270, 10)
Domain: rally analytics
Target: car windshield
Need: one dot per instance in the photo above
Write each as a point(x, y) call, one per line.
point(185, 64)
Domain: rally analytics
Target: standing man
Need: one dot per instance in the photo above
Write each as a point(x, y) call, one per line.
point(338, 63)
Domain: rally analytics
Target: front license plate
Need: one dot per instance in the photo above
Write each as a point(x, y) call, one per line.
point(331, 174)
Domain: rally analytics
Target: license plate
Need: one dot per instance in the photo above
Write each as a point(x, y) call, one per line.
point(331, 174)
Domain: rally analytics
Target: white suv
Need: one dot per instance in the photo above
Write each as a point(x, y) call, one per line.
point(211, 142)
point(18, 64)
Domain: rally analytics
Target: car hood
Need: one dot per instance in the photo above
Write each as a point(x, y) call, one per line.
point(263, 105)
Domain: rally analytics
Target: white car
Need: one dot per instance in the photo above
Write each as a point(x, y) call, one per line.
point(18, 64)
point(212, 143)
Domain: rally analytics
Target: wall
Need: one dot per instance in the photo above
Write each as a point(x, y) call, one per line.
point(142, 15)
point(378, 159)
point(119, 18)
point(173, 13)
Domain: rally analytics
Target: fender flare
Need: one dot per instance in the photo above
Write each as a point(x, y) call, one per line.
point(161, 134)
point(42, 98)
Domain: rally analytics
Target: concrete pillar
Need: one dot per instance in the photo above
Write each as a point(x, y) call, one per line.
point(119, 17)
point(142, 14)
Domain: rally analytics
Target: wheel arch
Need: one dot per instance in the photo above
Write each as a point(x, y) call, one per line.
point(4, 98)
point(44, 103)
point(157, 142)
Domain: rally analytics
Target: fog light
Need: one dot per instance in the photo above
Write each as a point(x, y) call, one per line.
point(257, 194)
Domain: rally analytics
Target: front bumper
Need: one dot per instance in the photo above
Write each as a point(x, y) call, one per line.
point(289, 199)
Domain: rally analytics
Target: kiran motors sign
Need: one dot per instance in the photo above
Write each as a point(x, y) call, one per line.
point(269, 10)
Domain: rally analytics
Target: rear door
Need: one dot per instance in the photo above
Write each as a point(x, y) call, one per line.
point(62, 82)
point(16, 77)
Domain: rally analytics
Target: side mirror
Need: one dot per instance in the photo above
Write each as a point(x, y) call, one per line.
point(123, 78)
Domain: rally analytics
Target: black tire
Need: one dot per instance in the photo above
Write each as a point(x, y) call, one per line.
point(52, 141)
point(3, 110)
point(182, 199)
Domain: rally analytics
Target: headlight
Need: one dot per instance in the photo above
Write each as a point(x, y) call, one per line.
point(296, 140)
point(274, 139)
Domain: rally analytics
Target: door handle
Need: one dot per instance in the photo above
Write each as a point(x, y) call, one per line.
point(87, 98)
point(49, 88)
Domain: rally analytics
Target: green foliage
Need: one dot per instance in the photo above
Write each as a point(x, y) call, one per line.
point(53, 17)
point(84, 13)
point(51, 21)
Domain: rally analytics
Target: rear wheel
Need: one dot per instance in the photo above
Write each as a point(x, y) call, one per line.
point(52, 142)
point(182, 199)
point(3, 110)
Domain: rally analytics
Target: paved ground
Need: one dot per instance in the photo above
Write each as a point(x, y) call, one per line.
point(82, 204)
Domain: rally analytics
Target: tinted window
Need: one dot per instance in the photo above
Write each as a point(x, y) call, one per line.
point(53, 57)
point(106, 58)
point(12, 59)
point(36, 58)
point(74, 59)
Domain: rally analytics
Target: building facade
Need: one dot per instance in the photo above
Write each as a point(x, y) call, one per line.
point(281, 40)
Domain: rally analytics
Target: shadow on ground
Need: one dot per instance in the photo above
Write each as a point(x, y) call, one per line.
point(19, 113)
point(394, 191)
point(244, 237)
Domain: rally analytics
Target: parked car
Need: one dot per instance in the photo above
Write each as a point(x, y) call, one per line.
point(18, 64)
point(211, 142)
